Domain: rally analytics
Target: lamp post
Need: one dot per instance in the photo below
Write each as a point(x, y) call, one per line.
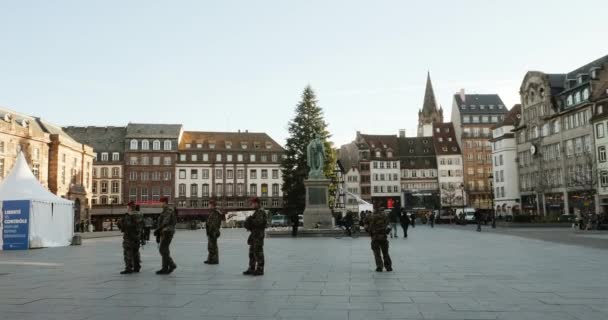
point(462, 191)
point(491, 178)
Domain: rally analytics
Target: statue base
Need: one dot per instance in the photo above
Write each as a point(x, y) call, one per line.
point(317, 214)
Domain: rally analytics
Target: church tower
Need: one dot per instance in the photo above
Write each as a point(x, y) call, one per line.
point(429, 113)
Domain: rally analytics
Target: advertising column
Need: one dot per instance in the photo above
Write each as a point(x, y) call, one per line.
point(15, 223)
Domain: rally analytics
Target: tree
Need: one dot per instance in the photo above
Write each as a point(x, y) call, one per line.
point(584, 179)
point(307, 123)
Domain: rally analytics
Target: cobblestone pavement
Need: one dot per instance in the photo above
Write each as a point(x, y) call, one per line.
point(441, 273)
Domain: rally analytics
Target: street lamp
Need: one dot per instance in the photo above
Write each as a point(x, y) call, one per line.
point(491, 178)
point(462, 191)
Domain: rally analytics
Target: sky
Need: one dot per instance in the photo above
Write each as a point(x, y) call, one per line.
point(230, 65)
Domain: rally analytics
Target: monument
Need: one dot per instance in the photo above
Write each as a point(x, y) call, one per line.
point(317, 214)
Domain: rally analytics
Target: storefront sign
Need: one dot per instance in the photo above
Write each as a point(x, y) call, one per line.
point(16, 225)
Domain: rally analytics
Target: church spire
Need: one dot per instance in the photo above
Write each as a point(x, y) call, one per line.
point(429, 106)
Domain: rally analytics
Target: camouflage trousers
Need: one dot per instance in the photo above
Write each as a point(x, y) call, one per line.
point(163, 249)
point(213, 252)
point(131, 254)
point(256, 254)
point(380, 249)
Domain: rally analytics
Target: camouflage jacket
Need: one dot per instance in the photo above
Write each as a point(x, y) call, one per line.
point(378, 225)
point(214, 222)
point(256, 223)
point(131, 226)
point(167, 220)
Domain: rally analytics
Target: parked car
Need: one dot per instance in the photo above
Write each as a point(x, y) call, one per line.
point(469, 215)
point(279, 220)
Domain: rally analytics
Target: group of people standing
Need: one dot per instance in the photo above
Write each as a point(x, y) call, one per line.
point(134, 226)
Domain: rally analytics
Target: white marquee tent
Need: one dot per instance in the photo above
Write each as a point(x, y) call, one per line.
point(51, 220)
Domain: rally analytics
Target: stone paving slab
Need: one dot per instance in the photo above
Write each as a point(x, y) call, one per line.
point(442, 273)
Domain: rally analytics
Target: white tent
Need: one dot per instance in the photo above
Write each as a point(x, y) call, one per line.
point(51, 218)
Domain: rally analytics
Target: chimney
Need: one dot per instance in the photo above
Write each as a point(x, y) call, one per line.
point(461, 93)
point(401, 133)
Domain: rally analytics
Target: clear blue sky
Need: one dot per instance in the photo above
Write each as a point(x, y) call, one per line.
point(228, 65)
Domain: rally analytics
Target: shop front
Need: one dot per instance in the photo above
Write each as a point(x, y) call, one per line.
point(528, 205)
point(581, 202)
point(554, 204)
point(421, 203)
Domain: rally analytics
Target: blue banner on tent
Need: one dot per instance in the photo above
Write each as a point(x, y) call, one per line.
point(15, 234)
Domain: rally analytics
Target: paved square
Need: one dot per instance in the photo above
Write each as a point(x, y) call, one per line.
point(441, 273)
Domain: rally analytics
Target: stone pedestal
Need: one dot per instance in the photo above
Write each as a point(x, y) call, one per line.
point(317, 214)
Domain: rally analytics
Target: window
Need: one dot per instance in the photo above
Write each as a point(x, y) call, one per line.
point(252, 157)
point(145, 160)
point(168, 144)
point(104, 187)
point(156, 145)
point(275, 158)
point(155, 176)
point(240, 174)
point(601, 154)
point(115, 172)
point(115, 156)
point(182, 189)
point(264, 189)
point(94, 187)
point(156, 161)
point(133, 175)
point(239, 158)
point(253, 174)
point(36, 171)
point(253, 189)
point(194, 190)
point(205, 157)
point(133, 161)
point(104, 172)
point(104, 156)
point(218, 173)
point(275, 174)
point(264, 174)
point(229, 157)
point(229, 189)
point(500, 160)
point(115, 187)
point(133, 144)
point(205, 173)
point(604, 178)
point(193, 157)
point(599, 130)
point(240, 189)
point(218, 157)
point(167, 161)
point(193, 174)
point(205, 190)
point(145, 145)
point(264, 158)
point(182, 173)
point(229, 174)
point(219, 189)
point(275, 190)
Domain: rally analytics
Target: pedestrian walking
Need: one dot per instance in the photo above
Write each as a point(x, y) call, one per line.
point(394, 218)
point(214, 224)
point(405, 222)
point(348, 223)
point(256, 224)
point(432, 218)
point(413, 219)
point(164, 234)
point(148, 223)
point(478, 220)
point(378, 229)
point(131, 226)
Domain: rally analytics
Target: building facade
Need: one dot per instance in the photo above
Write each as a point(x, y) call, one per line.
point(229, 167)
point(149, 169)
point(449, 166)
point(379, 169)
point(600, 125)
point(418, 176)
point(504, 154)
point(473, 115)
point(18, 133)
point(555, 141)
point(108, 163)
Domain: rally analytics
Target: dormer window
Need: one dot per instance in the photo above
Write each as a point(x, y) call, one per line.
point(23, 123)
point(228, 145)
point(156, 145)
point(500, 106)
point(377, 154)
point(268, 145)
point(425, 141)
point(580, 79)
point(454, 149)
point(104, 156)
point(450, 139)
point(463, 107)
point(389, 154)
point(444, 148)
point(577, 98)
point(167, 144)
point(133, 145)
point(7, 117)
point(243, 145)
point(491, 107)
point(599, 109)
point(256, 145)
point(440, 139)
point(594, 73)
point(482, 107)
point(199, 145)
point(188, 146)
point(411, 150)
point(211, 144)
point(473, 107)
point(569, 100)
point(145, 145)
point(585, 94)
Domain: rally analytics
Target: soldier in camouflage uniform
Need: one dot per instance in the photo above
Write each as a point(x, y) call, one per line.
point(214, 222)
point(378, 229)
point(164, 234)
point(256, 223)
point(131, 225)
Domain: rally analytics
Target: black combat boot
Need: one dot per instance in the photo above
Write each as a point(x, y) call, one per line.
point(161, 271)
point(171, 268)
point(248, 272)
point(378, 269)
point(258, 272)
point(389, 269)
point(126, 271)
